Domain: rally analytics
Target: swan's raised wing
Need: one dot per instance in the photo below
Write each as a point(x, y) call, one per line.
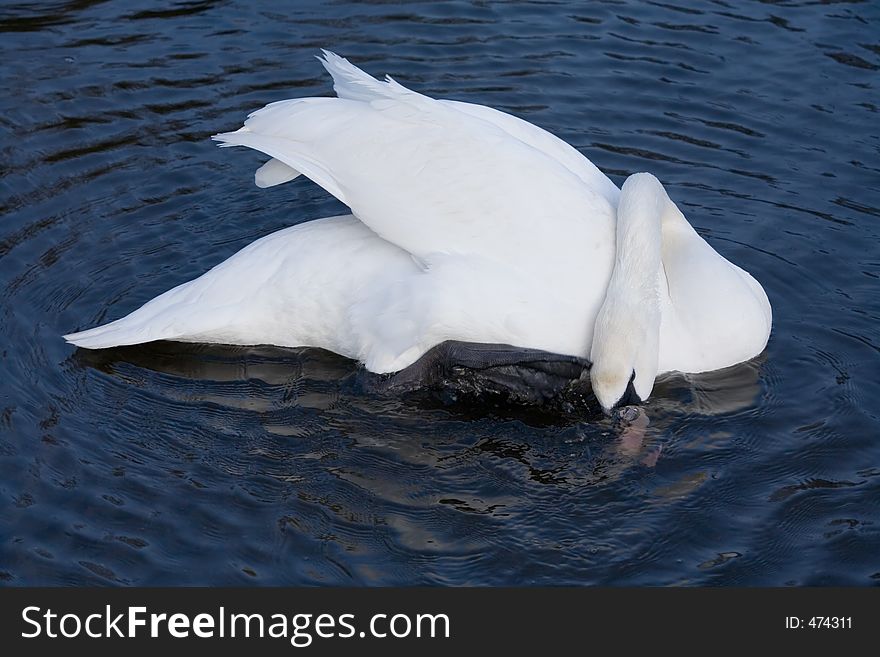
point(547, 143)
point(433, 179)
point(352, 83)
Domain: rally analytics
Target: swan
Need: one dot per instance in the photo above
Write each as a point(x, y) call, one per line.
point(467, 224)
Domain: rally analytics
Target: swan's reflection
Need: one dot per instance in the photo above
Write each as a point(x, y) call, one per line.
point(678, 395)
point(317, 379)
point(222, 363)
point(720, 392)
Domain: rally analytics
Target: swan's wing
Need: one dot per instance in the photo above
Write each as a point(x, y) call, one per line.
point(352, 83)
point(547, 143)
point(433, 179)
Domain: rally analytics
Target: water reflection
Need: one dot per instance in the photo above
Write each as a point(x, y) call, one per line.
point(724, 391)
point(279, 383)
point(306, 371)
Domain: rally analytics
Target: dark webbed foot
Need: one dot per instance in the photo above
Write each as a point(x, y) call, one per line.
point(500, 372)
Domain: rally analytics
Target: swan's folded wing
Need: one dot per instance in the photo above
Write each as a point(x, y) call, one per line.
point(431, 178)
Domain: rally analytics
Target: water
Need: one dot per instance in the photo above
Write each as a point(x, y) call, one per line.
point(170, 464)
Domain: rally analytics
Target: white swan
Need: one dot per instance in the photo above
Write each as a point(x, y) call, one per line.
point(468, 224)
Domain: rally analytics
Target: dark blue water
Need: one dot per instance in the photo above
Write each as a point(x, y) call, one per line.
point(171, 464)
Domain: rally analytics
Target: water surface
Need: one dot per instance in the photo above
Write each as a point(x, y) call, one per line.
point(172, 464)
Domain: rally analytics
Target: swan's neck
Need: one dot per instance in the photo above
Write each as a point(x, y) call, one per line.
point(626, 338)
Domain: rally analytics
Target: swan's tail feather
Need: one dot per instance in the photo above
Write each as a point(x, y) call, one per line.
point(174, 315)
point(116, 334)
